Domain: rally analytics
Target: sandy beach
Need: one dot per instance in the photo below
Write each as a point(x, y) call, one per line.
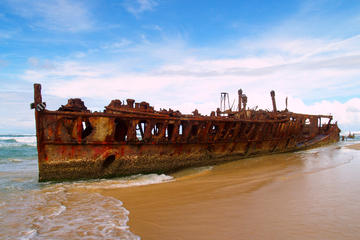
point(284, 196)
point(311, 194)
point(354, 146)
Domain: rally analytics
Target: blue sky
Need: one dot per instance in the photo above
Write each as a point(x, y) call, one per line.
point(180, 54)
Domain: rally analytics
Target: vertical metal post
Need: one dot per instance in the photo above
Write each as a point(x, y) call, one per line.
point(244, 99)
point(37, 94)
point(37, 100)
point(240, 98)
point(272, 93)
point(224, 95)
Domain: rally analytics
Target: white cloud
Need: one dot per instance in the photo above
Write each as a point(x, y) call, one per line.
point(79, 54)
point(6, 34)
point(195, 83)
point(44, 64)
point(153, 27)
point(16, 107)
point(304, 69)
point(137, 7)
point(33, 61)
point(353, 109)
point(116, 45)
point(60, 15)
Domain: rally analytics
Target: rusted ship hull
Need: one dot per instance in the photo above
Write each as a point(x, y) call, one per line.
point(74, 143)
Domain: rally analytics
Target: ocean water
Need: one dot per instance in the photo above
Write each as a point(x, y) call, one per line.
point(249, 193)
point(72, 210)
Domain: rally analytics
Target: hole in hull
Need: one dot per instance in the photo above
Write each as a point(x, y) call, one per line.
point(86, 129)
point(108, 161)
point(121, 128)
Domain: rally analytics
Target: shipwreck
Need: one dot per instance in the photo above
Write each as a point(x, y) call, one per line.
point(130, 138)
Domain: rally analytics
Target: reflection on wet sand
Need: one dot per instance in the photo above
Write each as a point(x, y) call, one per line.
point(304, 195)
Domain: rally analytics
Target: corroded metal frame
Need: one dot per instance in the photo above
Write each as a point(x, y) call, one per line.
point(74, 143)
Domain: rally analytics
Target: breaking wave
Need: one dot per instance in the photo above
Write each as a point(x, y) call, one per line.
point(16, 148)
point(67, 210)
point(124, 182)
point(57, 212)
point(17, 140)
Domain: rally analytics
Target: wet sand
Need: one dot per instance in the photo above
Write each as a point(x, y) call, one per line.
point(354, 146)
point(306, 195)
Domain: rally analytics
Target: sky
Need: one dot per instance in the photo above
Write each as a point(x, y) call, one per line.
point(180, 54)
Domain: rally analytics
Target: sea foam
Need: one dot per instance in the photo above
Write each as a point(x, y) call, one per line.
point(17, 140)
point(61, 212)
point(69, 210)
point(124, 182)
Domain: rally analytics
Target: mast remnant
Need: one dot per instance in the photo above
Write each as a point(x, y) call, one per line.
point(272, 93)
point(240, 98)
point(224, 98)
